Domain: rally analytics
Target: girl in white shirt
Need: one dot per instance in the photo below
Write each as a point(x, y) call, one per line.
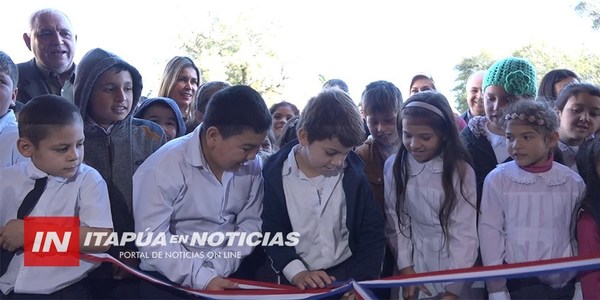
point(578, 107)
point(430, 196)
point(527, 205)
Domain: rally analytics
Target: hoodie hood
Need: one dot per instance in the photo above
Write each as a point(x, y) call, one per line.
point(139, 113)
point(91, 66)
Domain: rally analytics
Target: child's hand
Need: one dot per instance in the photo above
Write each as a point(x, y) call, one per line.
point(312, 279)
point(221, 284)
point(11, 235)
point(410, 292)
point(449, 296)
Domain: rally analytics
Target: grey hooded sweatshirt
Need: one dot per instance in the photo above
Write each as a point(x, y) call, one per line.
point(116, 154)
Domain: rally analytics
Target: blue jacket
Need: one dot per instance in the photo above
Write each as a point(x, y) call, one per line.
point(365, 221)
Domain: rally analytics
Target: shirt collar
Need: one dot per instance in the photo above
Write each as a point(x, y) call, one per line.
point(555, 176)
point(32, 172)
point(194, 157)
point(8, 119)
point(495, 140)
point(434, 165)
point(49, 74)
point(290, 165)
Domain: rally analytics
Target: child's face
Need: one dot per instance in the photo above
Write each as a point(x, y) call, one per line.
point(526, 146)
point(383, 127)
point(280, 117)
point(421, 141)
point(266, 145)
point(184, 89)
point(8, 93)
point(559, 86)
point(60, 153)
point(231, 153)
point(495, 98)
point(112, 97)
point(324, 157)
point(163, 116)
point(579, 119)
point(421, 85)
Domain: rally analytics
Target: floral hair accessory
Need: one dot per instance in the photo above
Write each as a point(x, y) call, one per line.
point(533, 119)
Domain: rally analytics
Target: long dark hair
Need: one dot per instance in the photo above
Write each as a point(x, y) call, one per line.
point(587, 159)
point(454, 155)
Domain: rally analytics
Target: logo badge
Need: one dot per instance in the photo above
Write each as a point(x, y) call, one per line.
point(51, 241)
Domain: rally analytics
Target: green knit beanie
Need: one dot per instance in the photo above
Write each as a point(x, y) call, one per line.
point(516, 75)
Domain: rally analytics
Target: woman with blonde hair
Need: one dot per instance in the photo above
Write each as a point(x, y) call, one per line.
point(180, 82)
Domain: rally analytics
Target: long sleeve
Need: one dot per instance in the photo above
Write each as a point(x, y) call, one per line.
point(492, 235)
point(154, 193)
point(247, 221)
point(462, 235)
point(588, 239)
point(397, 235)
point(275, 219)
point(371, 239)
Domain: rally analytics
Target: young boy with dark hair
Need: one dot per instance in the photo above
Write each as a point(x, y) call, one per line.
point(205, 182)
point(164, 112)
point(9, 77)
point(107, 88)
point(51, 135)
point(318, 188)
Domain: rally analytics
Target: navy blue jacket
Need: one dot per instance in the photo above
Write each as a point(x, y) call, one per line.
point(364, 220)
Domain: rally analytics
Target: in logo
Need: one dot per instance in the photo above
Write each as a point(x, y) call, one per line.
point(51, 241)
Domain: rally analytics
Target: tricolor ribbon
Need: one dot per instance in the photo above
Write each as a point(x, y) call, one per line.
point(261, 290)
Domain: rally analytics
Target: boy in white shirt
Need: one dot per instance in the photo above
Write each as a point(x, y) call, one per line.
point(317, 187)
point(9, 76)
point(51, 135)
point(205, 182)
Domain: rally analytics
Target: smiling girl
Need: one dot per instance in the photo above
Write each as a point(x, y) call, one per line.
point(430, 196)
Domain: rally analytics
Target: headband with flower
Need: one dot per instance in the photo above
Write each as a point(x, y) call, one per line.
point(533, 119)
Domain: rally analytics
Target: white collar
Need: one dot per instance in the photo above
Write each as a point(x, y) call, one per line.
point(8, 119)
point(435, 165)
point(553, 177)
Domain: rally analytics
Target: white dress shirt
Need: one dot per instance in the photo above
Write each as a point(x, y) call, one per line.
point(175, 192)
point(84, 195)
point(317, 210)
point(527, 216)
point(9, 133)
point(420, 241)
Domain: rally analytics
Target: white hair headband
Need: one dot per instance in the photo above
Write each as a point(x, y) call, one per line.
point(426, 106)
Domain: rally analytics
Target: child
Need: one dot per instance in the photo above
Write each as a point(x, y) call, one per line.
point(9, 76)
point(164, 112)
point(554, 82)
point(430, 196)
point(51, 135)
point(317, 187)
point(506, 81)
point(578, 107)
point(527, 205)
point(282, 112)
point(208, 181)
point(588, 220)
point(205, 91)
point(106, 90)
point(381, 101)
